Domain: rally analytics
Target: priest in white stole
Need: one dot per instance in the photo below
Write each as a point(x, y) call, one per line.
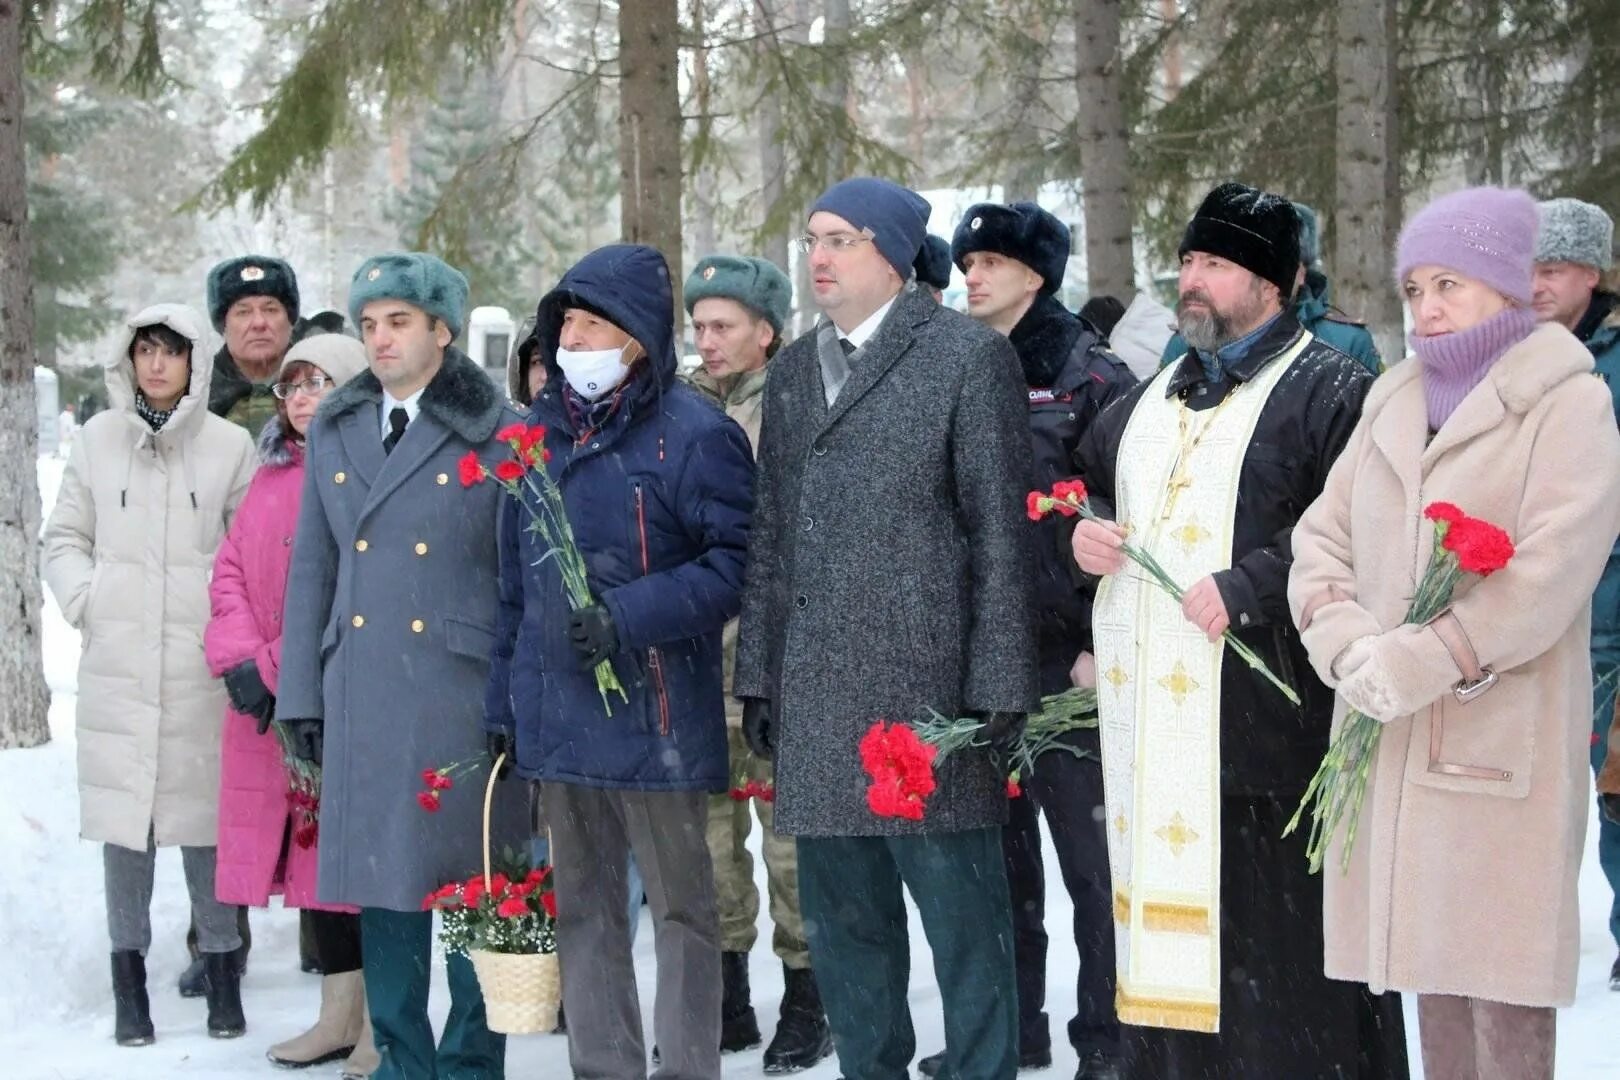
point(1218, 925)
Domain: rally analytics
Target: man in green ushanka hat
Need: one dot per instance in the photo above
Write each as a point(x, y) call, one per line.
point(739, 305)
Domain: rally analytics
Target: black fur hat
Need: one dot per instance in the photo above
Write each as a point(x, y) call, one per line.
point(250, 275)
point(1021, 231)
point(933, 263)
point(1255, 229)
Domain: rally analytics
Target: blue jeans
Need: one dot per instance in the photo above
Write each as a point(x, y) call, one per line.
point(541, 851)
point(1605, 682)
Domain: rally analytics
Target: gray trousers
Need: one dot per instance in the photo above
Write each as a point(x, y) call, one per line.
point(129, 898)
point(593, 833)
point(1473, 1039)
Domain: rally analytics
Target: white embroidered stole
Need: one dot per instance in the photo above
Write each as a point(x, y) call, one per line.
point(1159, 700)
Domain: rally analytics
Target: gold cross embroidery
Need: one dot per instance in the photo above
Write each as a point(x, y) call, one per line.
point(1179, 683)
point(1177, 833)
point(1190, 534)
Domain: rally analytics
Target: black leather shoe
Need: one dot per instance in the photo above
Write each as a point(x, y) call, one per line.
point(802, 1035)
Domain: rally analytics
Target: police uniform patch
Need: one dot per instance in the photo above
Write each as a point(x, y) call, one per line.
point(975, 223)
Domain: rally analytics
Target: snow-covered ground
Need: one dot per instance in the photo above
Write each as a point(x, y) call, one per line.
point(56, 1005)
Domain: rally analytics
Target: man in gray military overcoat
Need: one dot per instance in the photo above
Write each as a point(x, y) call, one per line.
point(888, 573)
point(385, 654)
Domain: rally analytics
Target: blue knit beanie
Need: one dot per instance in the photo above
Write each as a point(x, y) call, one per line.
point(896, 217)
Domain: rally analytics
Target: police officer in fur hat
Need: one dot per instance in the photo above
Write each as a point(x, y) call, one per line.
point(1014, 257)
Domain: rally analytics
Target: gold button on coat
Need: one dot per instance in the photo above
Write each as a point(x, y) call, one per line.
point(360, 545)
point(358, 621)
point(339, 478)
point(417, 626)
point(421, 549)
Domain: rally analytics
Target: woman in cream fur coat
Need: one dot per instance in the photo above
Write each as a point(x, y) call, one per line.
point(1461, 883)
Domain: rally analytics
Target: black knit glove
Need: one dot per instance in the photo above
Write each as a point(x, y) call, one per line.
point(249, 696)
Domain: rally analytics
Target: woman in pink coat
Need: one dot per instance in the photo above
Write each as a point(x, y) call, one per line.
point(261, 851)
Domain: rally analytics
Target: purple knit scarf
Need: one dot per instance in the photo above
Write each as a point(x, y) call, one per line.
point(1453, 364)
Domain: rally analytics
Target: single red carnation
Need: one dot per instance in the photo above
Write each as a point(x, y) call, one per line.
point(767, 793)
point(1032, 505)
point(428, 800)
point(1481, 548)
point(473, 892)
point(512, 907)
point(441, 782)
point(508, 471)
point(472, 470)
point(428, 775)
point(738, 794)
point(498, 885)
point(1443, 511)
point(1013, 790)
point(1069, 490)
point(514, 434)
point(305, 835)
point(533, 436)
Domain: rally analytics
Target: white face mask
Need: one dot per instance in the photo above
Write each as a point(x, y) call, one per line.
point(593, 372)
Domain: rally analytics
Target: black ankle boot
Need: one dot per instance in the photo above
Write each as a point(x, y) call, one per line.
point(132, 1025)
point(802, 1036)
point(225, 1020)
point(739, 1030)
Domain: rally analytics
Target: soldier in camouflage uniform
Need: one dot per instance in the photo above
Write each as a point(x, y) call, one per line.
point(738, 307)
point(253, 301)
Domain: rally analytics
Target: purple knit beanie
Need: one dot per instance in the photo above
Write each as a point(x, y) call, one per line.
point(1486, 233)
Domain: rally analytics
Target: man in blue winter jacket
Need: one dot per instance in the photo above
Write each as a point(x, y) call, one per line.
point(1573, 251)
point(658, 488)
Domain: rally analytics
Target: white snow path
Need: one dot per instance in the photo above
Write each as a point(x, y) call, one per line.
point(56, 1003)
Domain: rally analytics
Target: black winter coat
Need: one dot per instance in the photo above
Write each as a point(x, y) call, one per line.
point(1072, 378)
point(1268, 746)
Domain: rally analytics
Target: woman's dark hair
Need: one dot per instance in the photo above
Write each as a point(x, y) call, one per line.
point(164, 337)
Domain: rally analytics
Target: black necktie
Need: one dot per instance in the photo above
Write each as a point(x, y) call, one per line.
point(397, 419)
point(848, 346)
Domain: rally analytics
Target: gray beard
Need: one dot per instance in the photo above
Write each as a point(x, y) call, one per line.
point(1206, 331)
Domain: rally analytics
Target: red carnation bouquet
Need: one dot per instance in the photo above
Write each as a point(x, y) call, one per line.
point(1068, 497)
point(1463, 545)
point(512, 911)
point(548, 519)
point(901, 758)
point(303, 789)
point(753, 789)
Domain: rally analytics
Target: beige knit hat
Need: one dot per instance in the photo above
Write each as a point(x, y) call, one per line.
point(339, 355)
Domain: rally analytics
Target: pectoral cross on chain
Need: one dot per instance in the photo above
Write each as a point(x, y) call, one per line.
point(1179, 482)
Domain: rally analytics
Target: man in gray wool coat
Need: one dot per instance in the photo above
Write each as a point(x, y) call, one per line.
point(386, 648)
point(888, 573)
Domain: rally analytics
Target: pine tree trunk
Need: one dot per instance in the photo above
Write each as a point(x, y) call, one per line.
point(650, 131)
point(24, 699)
point(772, 161)
point(1368, 194)
point(836, 36)
point(1104, 150)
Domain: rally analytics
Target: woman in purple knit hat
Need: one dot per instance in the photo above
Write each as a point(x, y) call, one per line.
point(1461, 879)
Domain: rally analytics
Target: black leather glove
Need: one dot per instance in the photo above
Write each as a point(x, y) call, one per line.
point(1611, 807)
point(249, 696)
point(306, 738)
point(756, 726)
point(498, 743)
point(1004, 731)
point(591, 632)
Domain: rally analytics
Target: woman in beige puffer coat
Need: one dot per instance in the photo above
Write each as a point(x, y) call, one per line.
point(148, 492)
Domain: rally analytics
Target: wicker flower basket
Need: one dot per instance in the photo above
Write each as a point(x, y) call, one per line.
point(521, 990)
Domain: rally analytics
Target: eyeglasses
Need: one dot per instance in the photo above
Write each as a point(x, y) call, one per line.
point(835, 243)
point(314, 386)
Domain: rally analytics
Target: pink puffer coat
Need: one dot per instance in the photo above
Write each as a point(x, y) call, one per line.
point(250, 581)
